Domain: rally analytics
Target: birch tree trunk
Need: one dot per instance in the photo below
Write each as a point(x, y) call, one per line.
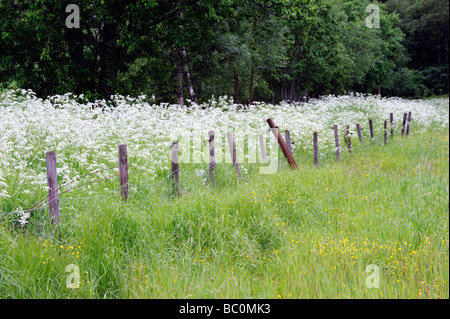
point(236, 87)
point(188, 77)
point(179, 70)
point(251, 85)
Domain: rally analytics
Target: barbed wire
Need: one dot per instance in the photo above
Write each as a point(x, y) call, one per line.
point(70, 182)
point(96, 197)
point(59, 197)
point(22, 211)
point(44, 202)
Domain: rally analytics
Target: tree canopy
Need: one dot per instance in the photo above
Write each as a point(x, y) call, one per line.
point(267, 50)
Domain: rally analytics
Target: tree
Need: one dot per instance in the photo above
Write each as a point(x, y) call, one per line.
point(425, 24)
point(42, 53)
point(252, 50)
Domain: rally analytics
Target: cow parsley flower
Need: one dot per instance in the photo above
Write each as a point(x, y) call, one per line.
point(23, 220)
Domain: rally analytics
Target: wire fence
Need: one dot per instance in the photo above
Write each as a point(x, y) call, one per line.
point(43, 203)
point(37, 218)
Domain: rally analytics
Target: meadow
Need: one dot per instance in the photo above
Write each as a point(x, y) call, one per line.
point(308, 233)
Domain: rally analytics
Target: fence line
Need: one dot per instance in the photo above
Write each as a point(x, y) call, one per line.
point(52, 200)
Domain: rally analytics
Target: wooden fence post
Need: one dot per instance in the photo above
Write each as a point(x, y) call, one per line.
point(232, 147)
point(408, 123)
point(287, 138)
point(123, 171)
point(53, 192)
point(385, 132)
point(404, 123)
point(212, 158)
point(372, 137)
point(263, 148)
point(316, 149)
point(391, 120)
point(348, 138)
point(336, 139)
point(282, 144)
point(360, 136)
point(174, 156)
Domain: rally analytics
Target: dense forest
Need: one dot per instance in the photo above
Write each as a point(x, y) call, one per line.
point(261, 50)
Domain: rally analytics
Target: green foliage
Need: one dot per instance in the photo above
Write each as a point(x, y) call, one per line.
point(407, 82)
point(426, 27)
point(254, 50)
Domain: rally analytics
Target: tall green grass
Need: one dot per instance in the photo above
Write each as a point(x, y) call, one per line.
point(309, 233)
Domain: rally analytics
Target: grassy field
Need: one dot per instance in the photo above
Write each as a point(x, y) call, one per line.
point(309, 233)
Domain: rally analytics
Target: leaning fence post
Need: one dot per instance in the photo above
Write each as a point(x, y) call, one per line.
point(360, 136)
point(336, 139)
point(372, 137)
point(316, 149)
point(232, 147)
point(123, 171)
point(175, 168)
point(287, 138)
point(212, 158)
point(52, 182)
point(282, 144)
point(404, 123)
point(408, 123)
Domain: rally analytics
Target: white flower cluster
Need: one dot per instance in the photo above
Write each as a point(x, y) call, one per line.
point(85, 135)
point(23, 219)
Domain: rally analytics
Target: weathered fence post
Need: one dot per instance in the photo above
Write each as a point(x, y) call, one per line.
point(52, 182)
point(123, 171)
point(174, 156)
point(336, 139)
point(404, 123)
point(263, 148)
point(282, 144)
point(360, 136)
point(232, 147)
point(391, 120)
point(385, 132)
point(348, 138)
point(287, 138)
point(212, 158)
point(408, 123)
point(316, 149)
point(372, 137)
